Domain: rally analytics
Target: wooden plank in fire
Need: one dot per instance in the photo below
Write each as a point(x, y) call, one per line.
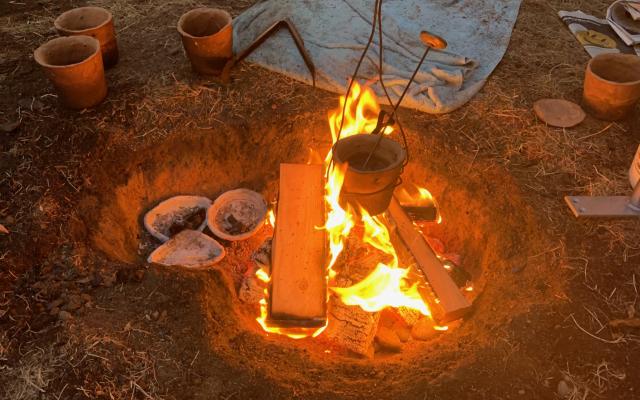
point(297, 290)
point(452, 303)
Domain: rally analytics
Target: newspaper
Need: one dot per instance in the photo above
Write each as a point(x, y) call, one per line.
point(596, 35)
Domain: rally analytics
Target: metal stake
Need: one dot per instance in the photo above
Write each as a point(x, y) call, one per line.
point(431, 41)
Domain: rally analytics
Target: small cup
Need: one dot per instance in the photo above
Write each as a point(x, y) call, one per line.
point(91, 21)
point(207, 37)
point(74, 65)
point(612, 85)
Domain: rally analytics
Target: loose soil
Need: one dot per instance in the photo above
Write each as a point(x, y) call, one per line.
point(83, 316)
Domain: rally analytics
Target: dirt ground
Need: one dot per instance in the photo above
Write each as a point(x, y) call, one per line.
point(83, 316)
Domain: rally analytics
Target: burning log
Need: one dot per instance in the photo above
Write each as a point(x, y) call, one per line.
point(352, 328)
point(297, 295)
point(409, 315)
point(452, 303)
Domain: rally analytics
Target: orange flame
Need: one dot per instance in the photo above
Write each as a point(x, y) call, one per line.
point(361, 113)
point(418, 197)
point(386, 285)
point(293, 333)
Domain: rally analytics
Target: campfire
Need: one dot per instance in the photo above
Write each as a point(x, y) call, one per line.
point(370, 292)
point(347, 260)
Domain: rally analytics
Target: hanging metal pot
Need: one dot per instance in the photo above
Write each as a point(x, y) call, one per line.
point(371, 187)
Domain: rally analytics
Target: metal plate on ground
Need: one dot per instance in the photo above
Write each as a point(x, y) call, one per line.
point(601, 206)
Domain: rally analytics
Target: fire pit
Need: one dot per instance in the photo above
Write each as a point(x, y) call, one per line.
point(489, 245)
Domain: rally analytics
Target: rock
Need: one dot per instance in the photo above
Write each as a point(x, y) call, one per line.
point(564, 390)
point(388, 339)
point(64, 315)
point(423, 329)
point(155, 315)
point(54, 311)
point(521, 392)
point(388, 317)
point(403, 332)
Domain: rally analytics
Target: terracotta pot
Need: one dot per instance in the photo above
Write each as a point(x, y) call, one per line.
point(74, 66)
point(91, 21)
point(612, 85)
point(370, 188)
point(207, 36)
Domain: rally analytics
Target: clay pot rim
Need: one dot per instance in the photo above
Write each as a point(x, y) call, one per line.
point(60, 28)
point(601, 79)
point(183, 16)
point(231, 196)
point(402, 153)
point(94, 41)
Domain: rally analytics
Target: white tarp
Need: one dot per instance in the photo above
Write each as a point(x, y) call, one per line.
point(336, 31)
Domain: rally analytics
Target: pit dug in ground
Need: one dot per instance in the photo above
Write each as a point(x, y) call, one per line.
point(484, 221)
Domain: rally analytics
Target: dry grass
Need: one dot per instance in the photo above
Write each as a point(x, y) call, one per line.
point(594, 382)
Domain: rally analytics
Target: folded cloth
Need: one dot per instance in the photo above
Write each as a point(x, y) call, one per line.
point(335, 33)
point(595, 34)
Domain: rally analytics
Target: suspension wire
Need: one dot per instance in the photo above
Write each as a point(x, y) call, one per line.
point(355, 73)
point(384, 88)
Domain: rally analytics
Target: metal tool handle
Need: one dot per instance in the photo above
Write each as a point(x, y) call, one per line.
point(432, 40)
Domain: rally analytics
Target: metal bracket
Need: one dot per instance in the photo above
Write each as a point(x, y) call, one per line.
point(610, 206)
point(602, 206)
point(286, 23)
